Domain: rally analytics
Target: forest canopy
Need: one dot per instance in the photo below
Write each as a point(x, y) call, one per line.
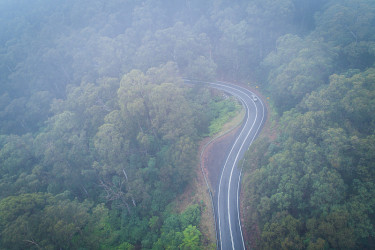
point(99, 134)
point(313, 186)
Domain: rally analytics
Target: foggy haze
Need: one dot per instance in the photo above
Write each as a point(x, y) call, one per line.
point(99, 135)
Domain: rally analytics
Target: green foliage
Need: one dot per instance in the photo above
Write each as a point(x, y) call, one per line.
point(180, 231)
point(125, 246)
point(92, 151)
point(202, 69)
point(191, 238)
point(304, 189)
point(297, 68)
point(129, 145)
point(191, 216)
point(43, 221)
point(221, 112)
point(282, 232)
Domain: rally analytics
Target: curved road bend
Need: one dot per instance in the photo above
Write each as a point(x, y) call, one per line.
point(228, 225)
point(227, 206)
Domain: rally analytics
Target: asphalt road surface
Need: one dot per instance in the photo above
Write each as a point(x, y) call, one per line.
point(226, 200)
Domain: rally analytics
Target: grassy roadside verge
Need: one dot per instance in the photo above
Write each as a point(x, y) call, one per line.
point(223, 112)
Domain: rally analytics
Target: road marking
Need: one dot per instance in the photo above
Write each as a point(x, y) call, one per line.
point(239, 181)
point(248, 94)
point(221, 177)
point(234, 164)
point(243, 91)
point(238, 189)
point(236, 159)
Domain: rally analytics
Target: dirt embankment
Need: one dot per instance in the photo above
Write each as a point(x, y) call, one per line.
point(216, 152)
point(213, 152)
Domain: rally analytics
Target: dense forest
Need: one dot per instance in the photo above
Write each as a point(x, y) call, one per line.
point(313, 186)
point(99, 134)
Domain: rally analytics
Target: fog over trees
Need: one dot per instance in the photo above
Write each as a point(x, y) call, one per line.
point(99, 134)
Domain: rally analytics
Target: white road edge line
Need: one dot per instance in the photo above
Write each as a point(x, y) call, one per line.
point(236, 159)
point(238, 188)
point(233, 166)
point(221, 176)
point(239, 181)
point(246, 92)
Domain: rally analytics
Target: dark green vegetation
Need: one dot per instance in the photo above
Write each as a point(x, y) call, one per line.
point(314, 186)
point(98, 134)
point(222, 112)
point(105, 166)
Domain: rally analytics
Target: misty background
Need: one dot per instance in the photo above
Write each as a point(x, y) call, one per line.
point(99, 136)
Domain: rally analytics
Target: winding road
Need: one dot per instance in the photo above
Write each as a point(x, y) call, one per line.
point(226, 200)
